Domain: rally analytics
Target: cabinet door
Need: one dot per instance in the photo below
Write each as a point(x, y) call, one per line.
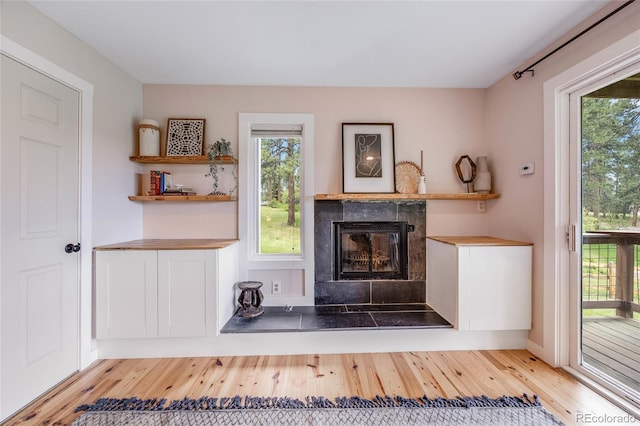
point(186, 285)
point(126, 294)
point(495, 288)
point(442, 280)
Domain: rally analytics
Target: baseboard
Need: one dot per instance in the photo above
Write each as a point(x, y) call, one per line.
point(293, 343)
point(537, 350)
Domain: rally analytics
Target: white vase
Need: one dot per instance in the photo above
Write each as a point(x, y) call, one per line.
point(422, 185)
point(149, 131)
point(482, 182)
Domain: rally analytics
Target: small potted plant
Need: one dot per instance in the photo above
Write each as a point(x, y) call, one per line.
point(219, 154)
point(221, 148)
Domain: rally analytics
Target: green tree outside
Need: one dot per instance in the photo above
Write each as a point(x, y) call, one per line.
point(280, 195)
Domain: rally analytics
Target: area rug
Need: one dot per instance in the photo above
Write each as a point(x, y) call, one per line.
point(482, 410)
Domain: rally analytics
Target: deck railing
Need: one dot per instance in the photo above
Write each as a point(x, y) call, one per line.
point(610, 271)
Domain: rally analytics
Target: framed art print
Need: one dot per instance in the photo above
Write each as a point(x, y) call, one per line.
point(185, 136)
point(368, 158)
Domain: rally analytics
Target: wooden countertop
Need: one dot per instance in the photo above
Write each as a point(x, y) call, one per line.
point(169, 244)
point(479, 241)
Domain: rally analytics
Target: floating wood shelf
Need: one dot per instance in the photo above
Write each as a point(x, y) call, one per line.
point(390, 196)
point(181, 198)
point(181, 159)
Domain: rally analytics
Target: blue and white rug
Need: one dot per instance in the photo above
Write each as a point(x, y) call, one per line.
point(386, 410)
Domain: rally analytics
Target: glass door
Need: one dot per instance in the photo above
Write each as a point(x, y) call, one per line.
point(608, 254)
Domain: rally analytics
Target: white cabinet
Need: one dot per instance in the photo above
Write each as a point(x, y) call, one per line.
point(186, 293)
point(126, 294)
point(155, 293)
point(480, 283)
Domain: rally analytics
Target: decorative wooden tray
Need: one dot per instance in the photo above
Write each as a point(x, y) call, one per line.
point(407, 177)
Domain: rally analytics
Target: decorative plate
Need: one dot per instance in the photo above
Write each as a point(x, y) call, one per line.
point(407, 177)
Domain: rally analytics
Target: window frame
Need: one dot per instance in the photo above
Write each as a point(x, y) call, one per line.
point(249, 198)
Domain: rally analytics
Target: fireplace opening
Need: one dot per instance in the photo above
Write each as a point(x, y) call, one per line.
point(370, 250)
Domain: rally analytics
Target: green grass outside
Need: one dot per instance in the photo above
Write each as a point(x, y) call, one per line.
point(275, 236)
point(605, 313)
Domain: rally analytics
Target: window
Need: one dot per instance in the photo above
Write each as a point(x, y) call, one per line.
point(279, 168)
point(275, 201)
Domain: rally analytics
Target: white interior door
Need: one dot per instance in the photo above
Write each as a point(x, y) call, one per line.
point(39, 284)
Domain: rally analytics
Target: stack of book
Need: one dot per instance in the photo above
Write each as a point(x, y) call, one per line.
point(179, 191)
point(161, 183)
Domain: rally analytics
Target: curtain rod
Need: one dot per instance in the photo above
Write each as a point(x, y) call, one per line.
point(518, 74)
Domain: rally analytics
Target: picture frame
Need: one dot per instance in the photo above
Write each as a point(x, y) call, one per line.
point(368, 158)
point(185, 136)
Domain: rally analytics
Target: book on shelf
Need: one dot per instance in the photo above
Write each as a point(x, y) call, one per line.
point(178, 190)
point(166, 181)
point(179, 193)
point(159, 182)
point(154, 182)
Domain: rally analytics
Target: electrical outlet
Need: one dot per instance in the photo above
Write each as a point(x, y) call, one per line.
point(481, 206)
point(276, 287)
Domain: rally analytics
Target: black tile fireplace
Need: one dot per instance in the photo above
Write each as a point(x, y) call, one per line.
point(370, 250)
point(372, 272)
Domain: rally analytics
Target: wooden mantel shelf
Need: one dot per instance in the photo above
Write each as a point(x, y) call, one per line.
point(397, 196)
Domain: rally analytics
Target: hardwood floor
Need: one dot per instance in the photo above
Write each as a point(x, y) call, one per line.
point(409, 374)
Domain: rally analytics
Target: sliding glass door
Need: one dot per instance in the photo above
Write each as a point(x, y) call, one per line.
point(606, 206)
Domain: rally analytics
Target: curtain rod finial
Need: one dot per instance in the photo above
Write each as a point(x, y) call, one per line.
point(518, 74)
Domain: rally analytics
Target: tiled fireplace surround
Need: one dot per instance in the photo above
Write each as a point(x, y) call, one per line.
point(331, 292)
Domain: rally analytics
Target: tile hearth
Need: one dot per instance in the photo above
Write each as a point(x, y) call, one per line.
point(338, 317)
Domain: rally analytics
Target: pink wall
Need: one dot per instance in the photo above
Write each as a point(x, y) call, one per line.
point(444, 123)
point(504, 122)
point(515, 134)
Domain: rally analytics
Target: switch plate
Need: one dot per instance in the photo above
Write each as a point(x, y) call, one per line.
point(527, 168)
point(276, 287)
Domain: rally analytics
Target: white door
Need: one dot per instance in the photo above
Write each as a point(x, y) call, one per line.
point(39, 283)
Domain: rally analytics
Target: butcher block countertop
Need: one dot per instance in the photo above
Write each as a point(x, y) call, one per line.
point(479, 241)
point(170, 244)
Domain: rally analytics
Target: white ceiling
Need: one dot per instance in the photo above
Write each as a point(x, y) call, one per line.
point(461, 44)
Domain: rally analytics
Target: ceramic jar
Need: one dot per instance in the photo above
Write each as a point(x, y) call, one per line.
point(482, 182)
point(149, 131)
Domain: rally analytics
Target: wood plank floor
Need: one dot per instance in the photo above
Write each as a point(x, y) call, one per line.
point(409, 374)
point(612, 345)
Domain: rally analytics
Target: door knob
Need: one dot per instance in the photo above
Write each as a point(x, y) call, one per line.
point(71, 248)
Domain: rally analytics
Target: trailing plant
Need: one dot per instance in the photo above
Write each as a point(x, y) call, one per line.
point(216, 154)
